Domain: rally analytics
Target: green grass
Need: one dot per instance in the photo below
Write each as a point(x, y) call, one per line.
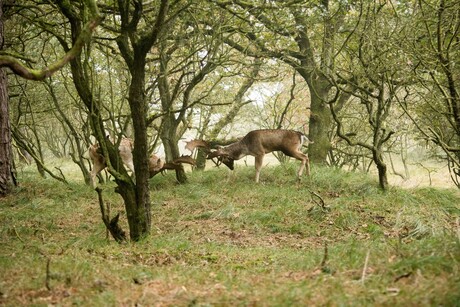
point(223, 240)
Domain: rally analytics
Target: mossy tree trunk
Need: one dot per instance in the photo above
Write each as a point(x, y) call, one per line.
point(169, 138)
point(134, 43)
point(320, 118)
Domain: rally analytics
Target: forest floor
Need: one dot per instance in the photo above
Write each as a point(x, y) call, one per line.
point(223, 240)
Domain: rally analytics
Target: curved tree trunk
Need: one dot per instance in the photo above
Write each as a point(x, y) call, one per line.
point(381, 168)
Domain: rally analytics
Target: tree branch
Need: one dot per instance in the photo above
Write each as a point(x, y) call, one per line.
point(38, 75)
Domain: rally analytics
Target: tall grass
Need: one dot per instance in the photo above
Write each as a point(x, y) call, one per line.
point(223, 240)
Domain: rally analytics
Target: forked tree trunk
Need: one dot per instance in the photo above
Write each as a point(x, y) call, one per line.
point(134, 193)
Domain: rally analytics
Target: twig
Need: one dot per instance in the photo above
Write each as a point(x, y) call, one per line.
point(107, 232)
point(17, 235)
point(321, 202)
point(325, 257)
point(62, 174)
point(363, 275)
point(48, 275)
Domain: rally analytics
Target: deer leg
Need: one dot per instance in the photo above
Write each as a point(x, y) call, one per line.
point(258, 163)
point(96, 170)
point(305, 163)
point(130, 165)
point(92, 177)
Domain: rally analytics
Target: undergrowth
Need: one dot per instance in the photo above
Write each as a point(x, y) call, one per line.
point(332, 239)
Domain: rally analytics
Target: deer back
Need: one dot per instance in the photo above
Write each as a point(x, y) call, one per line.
point(259, 142)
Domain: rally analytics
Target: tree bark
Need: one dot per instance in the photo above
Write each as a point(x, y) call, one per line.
point(320, 123)
point(381, 168)
point(7, 179)
point(137, 197)
point(134, 51)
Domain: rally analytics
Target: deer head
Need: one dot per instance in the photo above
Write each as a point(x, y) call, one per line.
point(222, 157)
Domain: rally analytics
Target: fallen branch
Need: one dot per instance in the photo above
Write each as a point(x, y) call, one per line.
point(17, 234)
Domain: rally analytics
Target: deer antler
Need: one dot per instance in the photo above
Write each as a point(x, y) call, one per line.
point(191, 145)
point(185, 159)
point(176, 164)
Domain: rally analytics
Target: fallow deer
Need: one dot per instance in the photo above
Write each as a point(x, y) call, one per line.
point(156, 164)
point(257, 143)
point(99, 162)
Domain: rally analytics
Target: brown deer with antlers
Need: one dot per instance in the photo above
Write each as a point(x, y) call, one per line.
point(257, 143)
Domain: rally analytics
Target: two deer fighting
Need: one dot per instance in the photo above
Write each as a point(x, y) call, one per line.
point(256, 143)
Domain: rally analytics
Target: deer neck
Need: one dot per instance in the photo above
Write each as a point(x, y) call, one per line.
point(236, 151)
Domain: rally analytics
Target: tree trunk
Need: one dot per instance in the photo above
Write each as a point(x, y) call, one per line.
point(7, 179)
point(320, 122)
point(6, 158)
point(201, 159)
point(137, 197)
point(135, 194)
point(381, 168)
point(169, 139)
